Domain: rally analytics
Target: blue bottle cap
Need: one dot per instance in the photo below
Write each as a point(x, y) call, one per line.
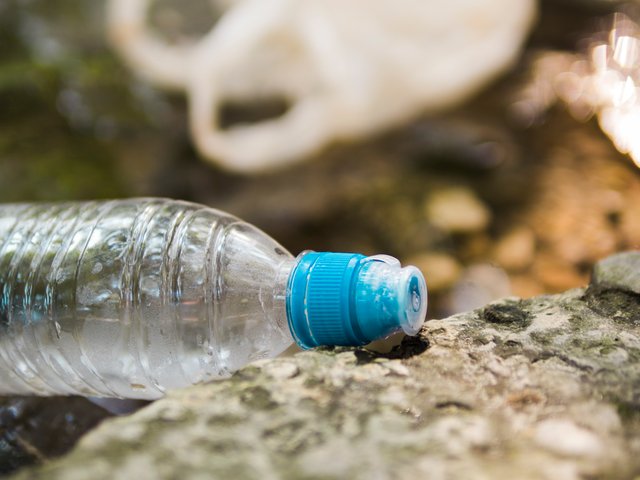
point(350, 299)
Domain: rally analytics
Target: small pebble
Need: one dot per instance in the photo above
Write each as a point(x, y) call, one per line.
point(440, 270)
point(480, 284)
point(457, 210)
point(515, 250)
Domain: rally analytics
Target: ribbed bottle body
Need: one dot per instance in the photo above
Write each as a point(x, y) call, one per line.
point(129, 298)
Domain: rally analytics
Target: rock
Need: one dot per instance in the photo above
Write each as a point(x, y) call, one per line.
point(440, 270)
point(545, 388)
point(556, 274)
point(33, 429)
point(516, 249)
point(478, 285)
point(524, 286)
point(457, 210)
point(620, 272)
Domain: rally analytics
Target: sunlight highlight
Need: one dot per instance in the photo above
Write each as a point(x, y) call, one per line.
point(611, 85)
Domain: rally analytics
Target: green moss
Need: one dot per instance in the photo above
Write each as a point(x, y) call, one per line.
point(258, 397)
point(543, 337)
point(607, 349)
point(292, 437)
point(628, 410)
point(223, 420)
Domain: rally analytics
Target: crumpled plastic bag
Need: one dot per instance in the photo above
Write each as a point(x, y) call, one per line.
point(347, 68)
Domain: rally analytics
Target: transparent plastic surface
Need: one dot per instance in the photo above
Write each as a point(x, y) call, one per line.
point(130, 298)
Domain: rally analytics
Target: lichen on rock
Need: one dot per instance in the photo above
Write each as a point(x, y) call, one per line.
point(542, 388)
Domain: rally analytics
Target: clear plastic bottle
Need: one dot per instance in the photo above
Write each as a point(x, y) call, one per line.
point(129, 298)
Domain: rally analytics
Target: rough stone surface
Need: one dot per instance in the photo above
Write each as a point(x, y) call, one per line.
point(542, 388)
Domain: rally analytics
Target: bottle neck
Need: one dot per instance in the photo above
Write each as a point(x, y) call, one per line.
point(279, 317)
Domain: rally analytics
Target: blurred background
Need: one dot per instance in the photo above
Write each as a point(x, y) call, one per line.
point(515, 185)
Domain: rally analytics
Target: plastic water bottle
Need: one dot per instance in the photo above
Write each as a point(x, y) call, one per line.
point(129, 298)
